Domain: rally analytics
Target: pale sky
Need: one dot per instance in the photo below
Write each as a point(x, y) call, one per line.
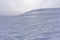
point(17, 7)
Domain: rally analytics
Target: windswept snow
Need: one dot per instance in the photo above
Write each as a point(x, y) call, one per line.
point(40, 24)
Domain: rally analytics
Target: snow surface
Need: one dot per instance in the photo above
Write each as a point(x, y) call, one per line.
point(40, 24)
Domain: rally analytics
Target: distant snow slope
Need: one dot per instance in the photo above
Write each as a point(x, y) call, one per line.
point(40, 24)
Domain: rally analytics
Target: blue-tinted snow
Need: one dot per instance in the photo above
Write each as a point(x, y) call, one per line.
point(41, 24)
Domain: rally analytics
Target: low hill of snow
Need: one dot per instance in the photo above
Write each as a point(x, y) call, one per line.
point(39, 24)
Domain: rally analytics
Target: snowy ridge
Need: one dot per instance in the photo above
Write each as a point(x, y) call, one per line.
point(41, 24)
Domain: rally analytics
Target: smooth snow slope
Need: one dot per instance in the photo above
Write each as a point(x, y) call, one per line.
point(40, 24)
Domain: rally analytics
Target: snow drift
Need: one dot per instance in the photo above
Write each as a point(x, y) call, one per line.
point(39, 24)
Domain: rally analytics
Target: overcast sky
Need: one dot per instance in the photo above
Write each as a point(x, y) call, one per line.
point(16, 7)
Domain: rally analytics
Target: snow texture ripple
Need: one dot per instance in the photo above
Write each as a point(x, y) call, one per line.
point(40, 24)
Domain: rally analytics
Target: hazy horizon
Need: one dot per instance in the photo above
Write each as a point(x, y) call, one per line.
point(16, 7)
